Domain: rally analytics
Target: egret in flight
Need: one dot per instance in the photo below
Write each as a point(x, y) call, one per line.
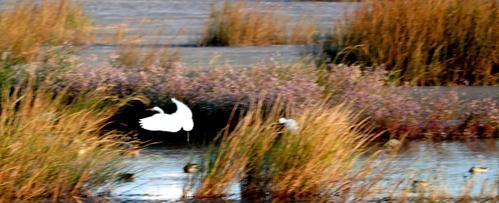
point(181, 119)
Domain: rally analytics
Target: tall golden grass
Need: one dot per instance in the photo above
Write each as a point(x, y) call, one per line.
point(316, 163)
point(238, 23)
point(424, 42)
point(53, 149)
point(321, 157)
point(28, 26)
point(132, 56)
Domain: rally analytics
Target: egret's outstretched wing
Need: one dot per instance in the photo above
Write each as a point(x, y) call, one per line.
point(183, 110)
point(187, 124)
point(184, 114)
point(161, 122)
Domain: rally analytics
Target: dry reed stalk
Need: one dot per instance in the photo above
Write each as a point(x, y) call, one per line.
point(424, 42)
point(29, 26)
point(51, 148)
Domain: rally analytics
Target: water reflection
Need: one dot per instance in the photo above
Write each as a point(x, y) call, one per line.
point(444, 165)
point(161, 176)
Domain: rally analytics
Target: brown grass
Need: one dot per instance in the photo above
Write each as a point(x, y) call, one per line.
point(425, 42)
point(238, 23)
point(51, 149)
point(316, 163)
point(321, 157)
point(28, 26)
point(132, 56)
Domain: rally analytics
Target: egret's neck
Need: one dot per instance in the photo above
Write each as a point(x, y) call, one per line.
point(159, 110)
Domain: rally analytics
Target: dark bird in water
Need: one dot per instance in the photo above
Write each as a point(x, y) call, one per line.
point(126, 177)
point(191, 168)
point(478, 169)
point(419, 185)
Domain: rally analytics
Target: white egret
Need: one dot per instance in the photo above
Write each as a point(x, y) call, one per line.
point(291, 124)
point(181, 119)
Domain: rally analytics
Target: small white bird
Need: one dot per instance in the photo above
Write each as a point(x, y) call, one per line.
point(181, 119)
point(291, 124)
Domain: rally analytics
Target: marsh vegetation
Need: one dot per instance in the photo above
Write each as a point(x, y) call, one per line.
point(66, 124)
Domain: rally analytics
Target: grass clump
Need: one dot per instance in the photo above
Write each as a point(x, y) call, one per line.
point(318, 162)
point(27, 26)
point(321, 157)
point(51, 148)
point(424, 42)
point(237, 23)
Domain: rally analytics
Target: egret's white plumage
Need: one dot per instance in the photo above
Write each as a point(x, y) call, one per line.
point(184, 114)
point(181, 119)
point(290, 124)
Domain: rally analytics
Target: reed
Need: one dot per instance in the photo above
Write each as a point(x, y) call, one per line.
point(318, 162)
point(131, 56)
point(52, 148)
point(27, 26)
point(333, 0)
point(423, 42)
point(240, 24)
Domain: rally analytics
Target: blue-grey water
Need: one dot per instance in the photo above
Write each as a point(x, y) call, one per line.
point(182, 22)
point(444, 165)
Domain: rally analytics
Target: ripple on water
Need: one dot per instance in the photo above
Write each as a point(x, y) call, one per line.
point(443, 165)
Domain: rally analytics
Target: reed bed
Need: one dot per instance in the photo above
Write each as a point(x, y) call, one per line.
point(52, 148)
point(333, 0)
point(316, 163)
point(241, 24)
point(27, 26)
point(422, 42)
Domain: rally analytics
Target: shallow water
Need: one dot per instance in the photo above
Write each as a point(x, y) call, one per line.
point(183, 21)
point(444, 165)
point(180, 23)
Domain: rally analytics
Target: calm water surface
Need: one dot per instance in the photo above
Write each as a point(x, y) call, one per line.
point(445, 165)
point(180, 23)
